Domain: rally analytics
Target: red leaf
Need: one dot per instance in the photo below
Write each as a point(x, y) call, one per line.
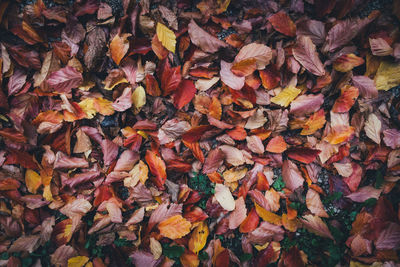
point(270, 76)
point(283, 24)
point(250, 223)
point(346, 99)
point(304, 155)
point(184, 94)
point(170, 77)
point(65, 79)
point(291, 175)
point(195, 133)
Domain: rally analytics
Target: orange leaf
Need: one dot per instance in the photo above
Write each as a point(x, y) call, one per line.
point(13, 135)
point(174, 227)
point(195, 133)
point(237, 133)
point(119, 46)
point(314, 204)
point(157, 167)
point(244, 67)
point(270, 77)
point(346, 100)
point(289, 224)
point(347, 62)
point(339, 134)
point(276, 145)
point(196, 150)
point(250, 223)
point(315, 122)
point(189, 259)
point(152, 87)
point(158, 49)
point(283, 23)
point(215, 109)
point(9, 184)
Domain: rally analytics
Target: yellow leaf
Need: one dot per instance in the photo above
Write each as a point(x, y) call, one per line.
point(174, 227)
point(138, 98)
point(87, 106)
point(47, 193)
point(234, 174)
point(155, 248)
point(86, 85)
point(267, 215)
point(77, 261)
point(314, 123)
point(199, 237)
point(103, 106)
point(387, 76)
point(166, 37)
point(119, 46)
point(32, 181)
point(286, 96)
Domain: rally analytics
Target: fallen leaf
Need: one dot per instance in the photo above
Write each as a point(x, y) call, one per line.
point(314, 204)
point(174, 227)
point(32, 180)
point(224, 197)
point(203, 39)
point(199, 237)
point(305, 53)
point(286, 96)
point(166, 37)
point(119, 46)
point(283, 23)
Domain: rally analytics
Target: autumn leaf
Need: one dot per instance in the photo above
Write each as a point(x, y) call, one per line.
point(32, 180)
point(286, 96)
point(387, 75)
point(138, 98)
point(283, 23)
point(315, 122)
point(267, 215)
point(119, 46)
point(346, 100)
point(224, 197)
point(203, 39)
point(276, 145)
point(65, 79)
point(259, 53)
point(184, 94)
point(198, 238)
point(166, 37)
point(291, 175)
point(315, 225)
point(347, 62)
point(314, 204)
point(78, 261)
point(174, 227)
point(305, 53)
point(157, 167)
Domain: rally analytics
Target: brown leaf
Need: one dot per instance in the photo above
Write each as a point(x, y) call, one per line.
point(305, 53)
